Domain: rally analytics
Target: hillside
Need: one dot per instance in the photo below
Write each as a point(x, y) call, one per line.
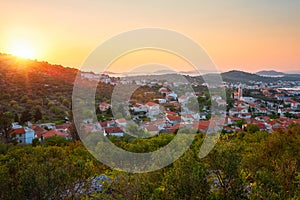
point(270, 73)
point(28, 86)
point(240, 76)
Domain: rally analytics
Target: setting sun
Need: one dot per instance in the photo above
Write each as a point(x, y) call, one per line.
point(22, 49)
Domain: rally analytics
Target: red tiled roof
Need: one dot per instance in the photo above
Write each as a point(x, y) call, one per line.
point(38, 130)
point(151, 128)
point(170, 113)
point(138, 105)
point(17, 131)
point(174, 118)
point(113, 130)
point(172, 129)
point(266, 118)
point(151, 104)
point(63, 126)
point(52, 133)
point(121, 120)
point(201, 125)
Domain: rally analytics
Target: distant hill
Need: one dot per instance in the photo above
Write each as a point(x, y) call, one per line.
point(292, 72)
point(244, 77)
point(240, 76)
point(270, 73)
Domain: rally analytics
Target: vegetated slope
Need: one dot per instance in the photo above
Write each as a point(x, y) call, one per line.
point(240, 76)
point(28, 85)
point(243, 77)
point(270, 73)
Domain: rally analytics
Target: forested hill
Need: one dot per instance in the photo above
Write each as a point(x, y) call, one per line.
point(28, 86)
point(240, 76)
point(13, 66)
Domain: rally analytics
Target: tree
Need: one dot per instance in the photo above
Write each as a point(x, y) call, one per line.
point(240, 123)
point(186, 179)
point(16, 118)
point(66, 103)
point(38, 114)
point(273, 164)
point(224, 166)
point(72, 128)
point(252, 128)
point(5, 124)
point(25, 116)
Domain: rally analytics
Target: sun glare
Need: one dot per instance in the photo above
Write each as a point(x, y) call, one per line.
point(22, 49)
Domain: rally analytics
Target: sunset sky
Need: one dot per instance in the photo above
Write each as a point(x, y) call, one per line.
point(237, 34)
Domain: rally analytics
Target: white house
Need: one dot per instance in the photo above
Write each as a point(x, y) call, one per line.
point(139, 108)
point(113, 131)
point(262, 110)
point(152, 108)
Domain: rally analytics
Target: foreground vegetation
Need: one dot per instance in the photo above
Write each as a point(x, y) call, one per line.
point(241, 166)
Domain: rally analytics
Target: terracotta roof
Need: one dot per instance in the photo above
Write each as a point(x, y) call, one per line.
point(151, 104)
point(170, 113)
point(266, 118)
point(113, 130)
point(172, 129)
point(138, 105)
point(17, 131)
point(62, 126)
point(39, 131)
point(201, 125)
point(52, 133)
point(151, 128)
point(121, 120)
point(174, 118)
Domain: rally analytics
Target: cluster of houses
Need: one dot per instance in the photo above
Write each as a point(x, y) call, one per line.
point(247, 110)
point(159, 118)
point(25, 134)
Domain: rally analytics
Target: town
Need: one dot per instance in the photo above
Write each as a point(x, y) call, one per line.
point(264, 106)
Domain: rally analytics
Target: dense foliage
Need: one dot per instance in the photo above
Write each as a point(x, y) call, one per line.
point(247, 165)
